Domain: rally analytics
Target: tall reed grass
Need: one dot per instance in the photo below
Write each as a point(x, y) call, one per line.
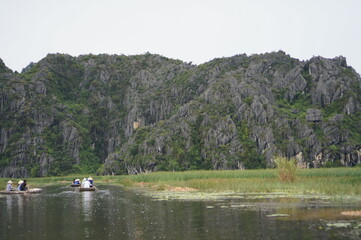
point(330, 181)
point(286, 169)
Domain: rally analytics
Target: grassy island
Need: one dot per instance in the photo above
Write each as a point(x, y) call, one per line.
point(322, 181)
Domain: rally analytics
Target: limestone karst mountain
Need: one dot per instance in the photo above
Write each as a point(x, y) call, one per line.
point(118, 114)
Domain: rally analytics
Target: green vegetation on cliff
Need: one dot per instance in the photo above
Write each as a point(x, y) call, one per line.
point(111, 114)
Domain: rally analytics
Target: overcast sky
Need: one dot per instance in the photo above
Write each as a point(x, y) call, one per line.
point(189, 30)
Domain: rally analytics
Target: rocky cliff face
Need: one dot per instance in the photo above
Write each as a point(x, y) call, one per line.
point(132, 114)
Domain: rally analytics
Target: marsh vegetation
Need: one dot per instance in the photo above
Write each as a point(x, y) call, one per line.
point(325, 181)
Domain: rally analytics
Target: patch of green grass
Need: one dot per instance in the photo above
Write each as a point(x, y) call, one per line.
point(330, 181)
point(327, 181)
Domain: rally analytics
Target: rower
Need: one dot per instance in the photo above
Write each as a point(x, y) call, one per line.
point(91, 180)
point(23, 186)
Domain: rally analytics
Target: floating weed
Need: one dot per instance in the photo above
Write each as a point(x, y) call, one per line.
point(180, 189)
point(339, 225)
point(351, 213)
point(278, 215)
point(242, 206)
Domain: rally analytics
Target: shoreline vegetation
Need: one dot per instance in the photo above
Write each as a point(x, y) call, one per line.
point(336, 183)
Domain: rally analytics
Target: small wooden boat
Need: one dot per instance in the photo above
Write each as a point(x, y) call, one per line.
point(81, 189)
point(12, 192)
point(75, 185)
point(32, 190)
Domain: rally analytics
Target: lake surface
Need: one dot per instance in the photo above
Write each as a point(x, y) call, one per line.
point(116, 213)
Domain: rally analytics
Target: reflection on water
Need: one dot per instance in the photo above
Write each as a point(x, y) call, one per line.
point(87, 198)
point(113, 213)
point(9, 204)
point(14, 205)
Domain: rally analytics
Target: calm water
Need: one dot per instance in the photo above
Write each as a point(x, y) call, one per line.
point(114, 213)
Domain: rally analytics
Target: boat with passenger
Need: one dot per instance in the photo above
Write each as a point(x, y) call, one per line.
point(75, 183)
point(22, 188)
point(86, 185)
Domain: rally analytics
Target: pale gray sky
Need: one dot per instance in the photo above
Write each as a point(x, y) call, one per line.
point(190, 30)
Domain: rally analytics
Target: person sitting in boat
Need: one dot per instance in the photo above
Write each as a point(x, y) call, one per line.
point(19, 183)
point(77, 181)
point(9, 187)
point(91, 180)
point(23, 186)
point(85, 183)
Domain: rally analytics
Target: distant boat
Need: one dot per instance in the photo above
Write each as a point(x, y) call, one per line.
point(32, 190)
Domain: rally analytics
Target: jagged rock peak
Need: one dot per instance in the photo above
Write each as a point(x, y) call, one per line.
point(4, 68)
